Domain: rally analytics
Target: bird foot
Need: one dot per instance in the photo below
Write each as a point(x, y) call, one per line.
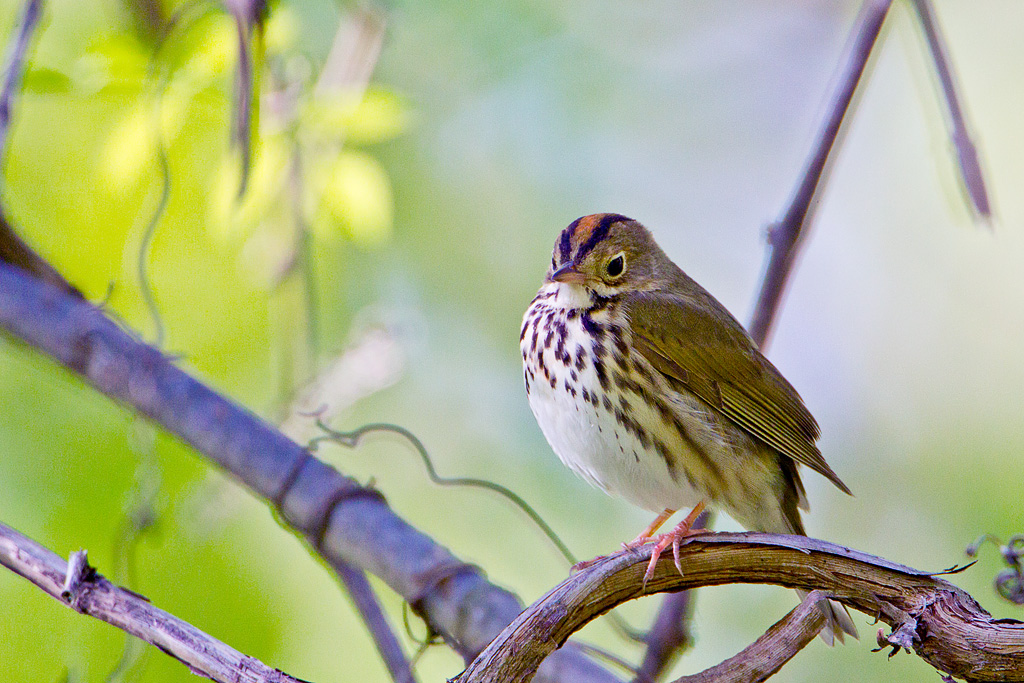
point(663, 541)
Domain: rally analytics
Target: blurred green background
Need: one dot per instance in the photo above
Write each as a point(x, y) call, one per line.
point(430, 200)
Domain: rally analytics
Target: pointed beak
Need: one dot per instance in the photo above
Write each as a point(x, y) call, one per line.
point(568, 274)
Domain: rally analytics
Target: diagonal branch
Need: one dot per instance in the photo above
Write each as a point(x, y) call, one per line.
point(959, 132)
point(78, 586)
point(365, 600)
point(766, 655)
point(340, 518)
point(785, 236)
point(940, 622)
point(16, 66)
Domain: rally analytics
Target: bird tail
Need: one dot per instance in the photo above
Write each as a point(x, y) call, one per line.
point(838, 623)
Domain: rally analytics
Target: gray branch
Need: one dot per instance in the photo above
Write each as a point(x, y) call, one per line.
point(79, 587)
point(16, 67)
point(786, 235)
point(365, 600)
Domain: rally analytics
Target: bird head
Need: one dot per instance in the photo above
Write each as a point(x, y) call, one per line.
point(606, 253)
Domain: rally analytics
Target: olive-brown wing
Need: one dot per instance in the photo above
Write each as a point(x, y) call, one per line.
point(696, 342)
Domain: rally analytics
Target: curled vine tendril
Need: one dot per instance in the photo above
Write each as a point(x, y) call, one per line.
point(1009, 583)
point(352, 438)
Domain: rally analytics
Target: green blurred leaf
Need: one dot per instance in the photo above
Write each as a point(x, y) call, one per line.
point(378, 115)
point(281, 31)
point(357, 193)
point(229, 217)
point(112, 61)
point(213, 50)
point(46, 82)
point(129, 149)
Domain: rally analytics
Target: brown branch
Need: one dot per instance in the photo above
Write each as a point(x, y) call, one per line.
point(942, 623)
point(766, 655)
point(785, 236)
point(341, 519)
point(959, 132)
point(79, 587)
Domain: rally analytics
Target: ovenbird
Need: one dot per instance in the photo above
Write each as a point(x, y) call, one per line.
point(648, 388)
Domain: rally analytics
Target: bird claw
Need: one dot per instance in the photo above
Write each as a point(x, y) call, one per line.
point(663, 541)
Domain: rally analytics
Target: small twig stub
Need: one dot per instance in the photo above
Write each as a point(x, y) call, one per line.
point(78, 572)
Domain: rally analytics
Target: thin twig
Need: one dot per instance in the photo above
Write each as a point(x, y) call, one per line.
point(361, 592)
point(15, 69)
point(785, 236)
point(1009, 583)
point(181, 16)
point(13, 249)
point(353, 438)
point(959, 132)
point(142, 265)
point(79, 587)
point(766, 655)
point(241, 123)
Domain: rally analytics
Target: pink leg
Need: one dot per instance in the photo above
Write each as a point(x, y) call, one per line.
point(682, 530)
point(644, 537)
point(646, 534)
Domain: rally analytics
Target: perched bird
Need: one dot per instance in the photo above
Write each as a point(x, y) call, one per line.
point(648, 388)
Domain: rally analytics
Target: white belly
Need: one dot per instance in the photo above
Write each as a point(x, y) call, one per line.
point(594, 440)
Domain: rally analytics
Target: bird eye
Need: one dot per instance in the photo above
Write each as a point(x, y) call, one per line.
point(617, 265)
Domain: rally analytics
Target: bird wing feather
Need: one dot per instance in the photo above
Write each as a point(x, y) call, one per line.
point(688, 340)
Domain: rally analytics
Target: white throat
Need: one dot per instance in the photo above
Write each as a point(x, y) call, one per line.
point(568, 296)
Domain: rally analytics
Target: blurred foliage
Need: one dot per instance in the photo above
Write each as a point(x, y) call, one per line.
point(426, 199)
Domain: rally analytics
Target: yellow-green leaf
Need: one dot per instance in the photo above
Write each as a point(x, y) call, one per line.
point(230, 217)
point(357, 193)
point(357, 118)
